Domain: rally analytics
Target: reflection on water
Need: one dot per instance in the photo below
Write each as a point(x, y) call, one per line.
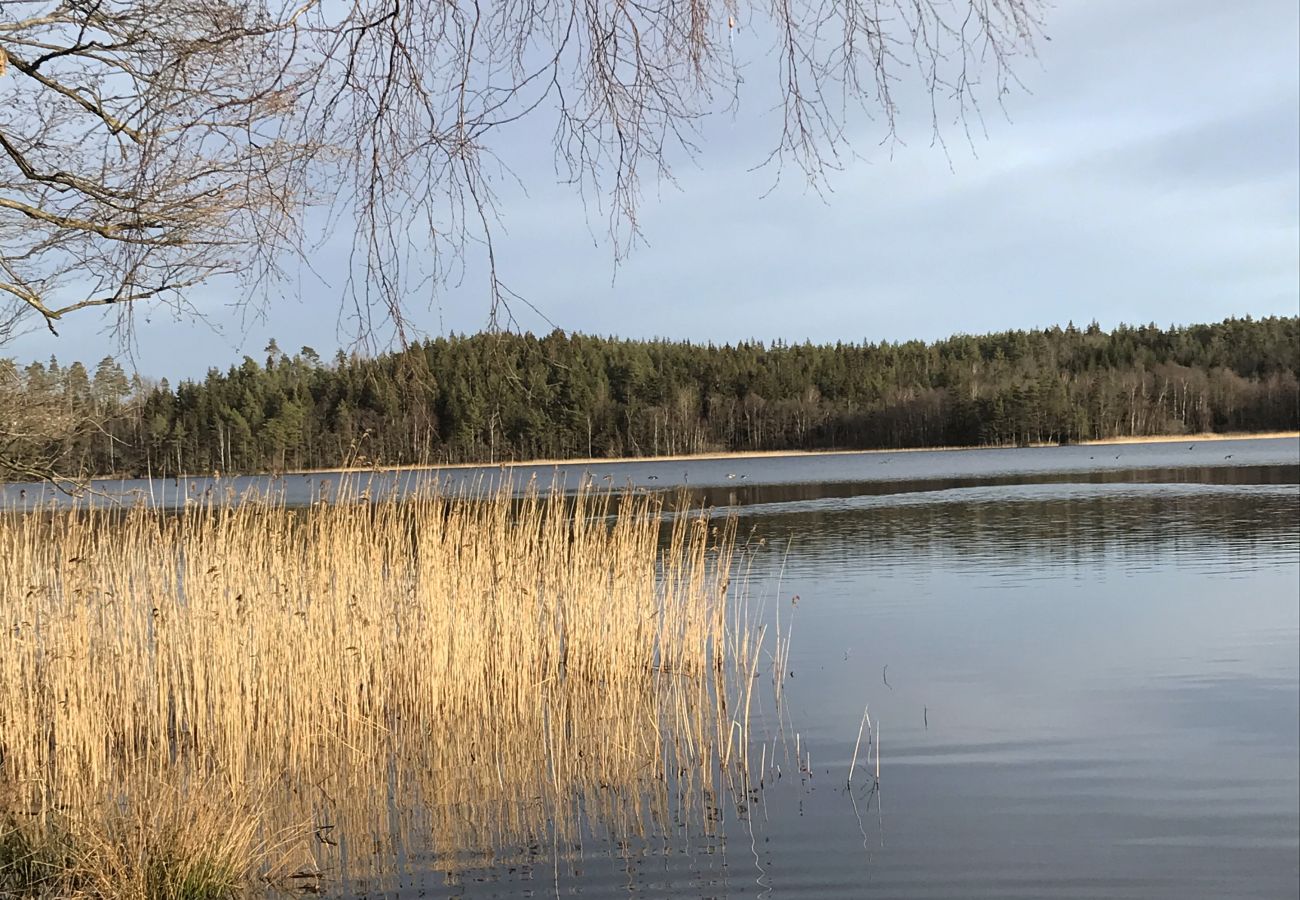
point(1086, 690)
point(1041, 531)
point(441, 818)
point(893, 490)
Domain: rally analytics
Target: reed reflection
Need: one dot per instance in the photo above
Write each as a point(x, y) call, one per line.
point(1018, 532)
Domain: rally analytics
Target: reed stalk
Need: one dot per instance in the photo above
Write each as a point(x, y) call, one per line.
point(477, 669)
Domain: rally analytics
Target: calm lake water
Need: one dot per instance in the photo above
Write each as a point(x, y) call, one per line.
point(1085, 663)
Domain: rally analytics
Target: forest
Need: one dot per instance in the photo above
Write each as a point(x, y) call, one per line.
point(506, 396)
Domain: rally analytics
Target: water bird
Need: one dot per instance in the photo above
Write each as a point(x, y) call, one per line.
point(1190, 446)
point(731, 474)
point(652, 478)
point(1229, 456)
point(743, 477)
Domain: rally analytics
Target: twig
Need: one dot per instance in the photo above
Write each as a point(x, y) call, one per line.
point(863, 724)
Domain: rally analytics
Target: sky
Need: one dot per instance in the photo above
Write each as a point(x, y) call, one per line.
point(1148, 172)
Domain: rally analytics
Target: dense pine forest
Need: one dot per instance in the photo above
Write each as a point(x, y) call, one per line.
point(506, 396)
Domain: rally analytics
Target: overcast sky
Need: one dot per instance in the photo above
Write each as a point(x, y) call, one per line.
point(1151, 173)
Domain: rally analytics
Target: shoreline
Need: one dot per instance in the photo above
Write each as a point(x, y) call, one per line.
point(1205, 437)
point(1202, 436)
point(761, 454)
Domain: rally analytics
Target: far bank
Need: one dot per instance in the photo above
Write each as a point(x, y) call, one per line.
point(483, 399)
point(769, 454)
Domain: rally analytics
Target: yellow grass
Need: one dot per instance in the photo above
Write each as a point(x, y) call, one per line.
point(1198, 437)
point(476, 670)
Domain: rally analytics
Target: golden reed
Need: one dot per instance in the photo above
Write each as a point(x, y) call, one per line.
point(232, 687)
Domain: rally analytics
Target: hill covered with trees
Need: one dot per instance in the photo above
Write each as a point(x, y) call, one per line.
point(506, 396)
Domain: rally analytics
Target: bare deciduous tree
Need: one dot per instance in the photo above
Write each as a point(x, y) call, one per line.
point(143, 149)
point(150, 145)
point(37, 428)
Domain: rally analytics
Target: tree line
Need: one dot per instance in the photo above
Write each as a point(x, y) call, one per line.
point(499, 397)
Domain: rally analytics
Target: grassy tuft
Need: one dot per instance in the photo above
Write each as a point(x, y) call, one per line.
point(157, 846)
point(34, 860)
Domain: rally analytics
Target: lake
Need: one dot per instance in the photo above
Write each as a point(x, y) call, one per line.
point(1084, 663)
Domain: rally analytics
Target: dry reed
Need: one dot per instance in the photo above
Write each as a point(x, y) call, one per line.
point(481, 670)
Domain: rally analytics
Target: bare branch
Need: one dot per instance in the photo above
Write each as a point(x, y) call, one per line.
point(150, 145)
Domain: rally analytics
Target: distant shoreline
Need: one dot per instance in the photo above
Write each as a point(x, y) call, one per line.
point(751, 454)
point(1204, 436)
point(760, 454)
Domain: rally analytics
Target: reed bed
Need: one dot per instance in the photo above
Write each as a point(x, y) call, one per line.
point(234, 690)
